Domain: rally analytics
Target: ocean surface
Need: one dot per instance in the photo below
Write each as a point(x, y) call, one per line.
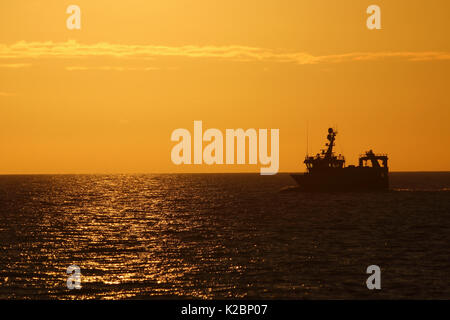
point(221, 236)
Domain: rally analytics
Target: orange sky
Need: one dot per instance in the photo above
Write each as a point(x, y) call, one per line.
point(107, 97)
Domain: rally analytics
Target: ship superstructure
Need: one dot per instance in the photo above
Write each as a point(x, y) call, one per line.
point(327, 171)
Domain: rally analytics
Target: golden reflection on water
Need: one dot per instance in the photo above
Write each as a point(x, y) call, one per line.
point(213, 236)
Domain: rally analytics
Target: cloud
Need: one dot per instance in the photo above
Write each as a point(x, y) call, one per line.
point(110, 68)
point(15, 65)
point(371, 56)
point(73, 49)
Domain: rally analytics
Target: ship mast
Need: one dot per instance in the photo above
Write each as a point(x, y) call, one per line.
point(307, 140)
point(331, 137)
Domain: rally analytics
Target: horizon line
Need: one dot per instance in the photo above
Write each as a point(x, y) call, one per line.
point(175, 173)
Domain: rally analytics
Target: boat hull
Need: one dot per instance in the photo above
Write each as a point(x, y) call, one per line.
point(349, 179)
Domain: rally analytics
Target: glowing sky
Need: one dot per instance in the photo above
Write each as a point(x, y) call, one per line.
point(107, 97)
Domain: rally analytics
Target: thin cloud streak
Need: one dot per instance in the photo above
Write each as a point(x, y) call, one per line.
point(15, 65)
point(73, 49)
point(110, 68)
